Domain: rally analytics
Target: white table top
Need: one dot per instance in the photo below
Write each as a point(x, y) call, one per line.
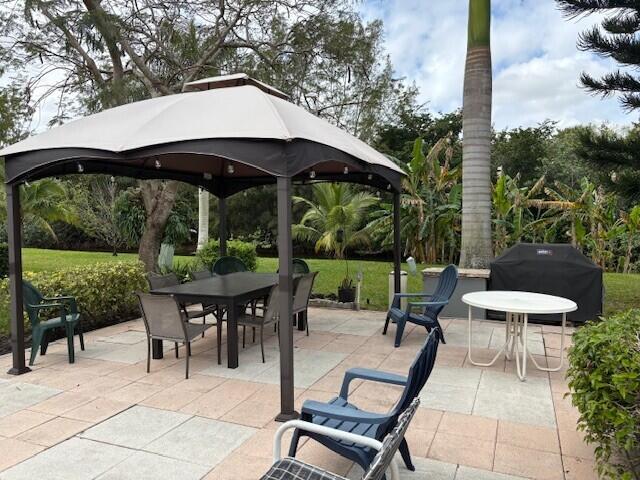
point(519, 302)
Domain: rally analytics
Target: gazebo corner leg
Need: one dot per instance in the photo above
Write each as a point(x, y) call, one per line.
point(14, 234)
point(285, 286)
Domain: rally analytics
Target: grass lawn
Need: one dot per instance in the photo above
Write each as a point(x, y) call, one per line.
point(622, 291)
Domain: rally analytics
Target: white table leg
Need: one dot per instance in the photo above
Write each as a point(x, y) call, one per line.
point(521, 370)
point(503, 349)
point(555, 369)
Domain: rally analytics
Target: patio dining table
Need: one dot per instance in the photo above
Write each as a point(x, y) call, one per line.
point(233, 291)
point(517, 306)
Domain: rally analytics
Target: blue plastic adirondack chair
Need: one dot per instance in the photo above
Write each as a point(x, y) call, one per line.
point(342, 415)
point(429, 316)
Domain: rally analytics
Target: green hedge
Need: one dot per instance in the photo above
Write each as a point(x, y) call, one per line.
point(105, 291)
point(245, 251)
point(604, 377)
point(4, 260)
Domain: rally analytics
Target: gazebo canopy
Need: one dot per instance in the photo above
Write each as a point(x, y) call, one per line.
point(230, 134)
point(237, 134)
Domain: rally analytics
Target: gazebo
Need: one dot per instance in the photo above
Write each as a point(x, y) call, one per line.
point(225, 135)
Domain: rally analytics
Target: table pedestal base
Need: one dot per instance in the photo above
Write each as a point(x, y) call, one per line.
point(515, 344)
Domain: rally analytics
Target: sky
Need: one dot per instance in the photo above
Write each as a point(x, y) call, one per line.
point(536, 64)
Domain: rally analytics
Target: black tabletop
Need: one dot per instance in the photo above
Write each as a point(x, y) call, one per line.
point(231, 287)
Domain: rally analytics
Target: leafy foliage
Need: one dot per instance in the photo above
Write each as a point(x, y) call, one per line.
point(106, 292)
point(604, 377)
point(245, 251)
point(4, 260)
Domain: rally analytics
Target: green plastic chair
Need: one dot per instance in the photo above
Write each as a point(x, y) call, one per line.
point(34, 302)
point(300, 266)
point(226, 265)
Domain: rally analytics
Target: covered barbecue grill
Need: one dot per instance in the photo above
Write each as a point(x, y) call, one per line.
point(553, 269)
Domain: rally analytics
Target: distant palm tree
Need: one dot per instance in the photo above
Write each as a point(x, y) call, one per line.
point(476, 142)
point(335, 217)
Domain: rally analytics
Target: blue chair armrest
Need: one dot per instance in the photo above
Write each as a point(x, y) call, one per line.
point(410, 305)
point(372, 375)
point(398, 296)
point(342, 413)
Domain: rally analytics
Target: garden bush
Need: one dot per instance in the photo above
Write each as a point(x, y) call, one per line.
point(604, 377)
point(4, 260)
point(245, 251)
point(106, 292)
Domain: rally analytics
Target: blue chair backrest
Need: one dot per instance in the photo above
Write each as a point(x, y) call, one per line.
point(447, 283)
point(226, 265)
point(300, 266)
point(419, 373)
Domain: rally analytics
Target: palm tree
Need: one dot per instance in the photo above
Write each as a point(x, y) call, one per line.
point(203, 218)
point(334, 219)
point(476, 142)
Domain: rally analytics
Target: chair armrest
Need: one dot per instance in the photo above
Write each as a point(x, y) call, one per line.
point(342, 413)
point(372, 375)
point(47, 306)
point(398, 296)
point(410, 305)
point(67, 299)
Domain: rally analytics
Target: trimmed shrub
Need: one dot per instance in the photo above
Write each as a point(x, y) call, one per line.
point(604, 377)
point(4, 260)
point(106, 292)
point(245, 251)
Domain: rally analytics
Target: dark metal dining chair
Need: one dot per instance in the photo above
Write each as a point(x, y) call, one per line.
point(301, 297)
point(270, 316)
point(164, 319)
point(226, 265)
point(201, 274)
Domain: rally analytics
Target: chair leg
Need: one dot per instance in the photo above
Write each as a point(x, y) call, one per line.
point(262, 342)
point(219, 340)
point(188, 350)
point(148, 354)
point(204, 322)
point(306, 321)
point(254, 335)
point(399, 331)
point(176, 348)
point(44, 343)
point(81, 334)
point(244, 330)
point(70, 347)
point(36, 339)
point(406, 456)
point(386, 325)
point(293, 447)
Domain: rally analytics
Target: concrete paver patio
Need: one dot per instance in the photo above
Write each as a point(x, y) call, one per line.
point(104, 417)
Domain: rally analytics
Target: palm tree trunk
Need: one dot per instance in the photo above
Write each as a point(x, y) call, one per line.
point(203, 218)
point(476, 143)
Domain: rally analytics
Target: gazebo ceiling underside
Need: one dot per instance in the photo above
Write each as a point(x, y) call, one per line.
point(206, 163)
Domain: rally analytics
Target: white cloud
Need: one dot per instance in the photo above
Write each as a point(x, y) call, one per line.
point(535, 59)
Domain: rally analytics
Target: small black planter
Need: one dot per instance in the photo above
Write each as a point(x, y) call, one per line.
point(346, 295)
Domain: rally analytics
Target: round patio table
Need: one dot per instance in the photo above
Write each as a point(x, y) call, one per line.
point(517, 306)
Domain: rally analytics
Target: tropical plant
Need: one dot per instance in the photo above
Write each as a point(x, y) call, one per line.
point(631, 224)
point(476, 142)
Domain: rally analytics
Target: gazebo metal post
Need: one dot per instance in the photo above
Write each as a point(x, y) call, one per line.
point(222, 225)
point(14, 233)
point(396, 242)
point(285, 285)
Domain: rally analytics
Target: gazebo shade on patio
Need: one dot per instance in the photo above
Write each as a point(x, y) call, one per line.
point(223, 140)
point(232, 134)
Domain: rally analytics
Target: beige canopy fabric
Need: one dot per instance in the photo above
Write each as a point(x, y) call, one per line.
point(202, 132)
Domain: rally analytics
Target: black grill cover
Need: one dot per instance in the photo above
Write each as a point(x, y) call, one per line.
point(553, 269)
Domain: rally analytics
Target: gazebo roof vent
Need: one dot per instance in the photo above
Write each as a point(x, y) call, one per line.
point(234, 80)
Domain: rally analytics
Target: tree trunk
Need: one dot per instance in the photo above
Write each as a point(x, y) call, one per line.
point(627, 259)
point(476, 143)
point(159, 197)
point(203, 218)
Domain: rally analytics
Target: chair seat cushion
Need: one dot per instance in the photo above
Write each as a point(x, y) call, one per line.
point(195, 329)
point(58, 322)
point(292, 469)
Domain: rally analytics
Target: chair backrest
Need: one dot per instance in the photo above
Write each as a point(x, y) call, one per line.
point(162, 316)
point(419, 373)
point(302, 293)
point(273, 307)
point(226, 265)
point(300, 266)
point(161, 281)
point(390, 444)
point(31, 296)
point(201, 274)
point(447, 283)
